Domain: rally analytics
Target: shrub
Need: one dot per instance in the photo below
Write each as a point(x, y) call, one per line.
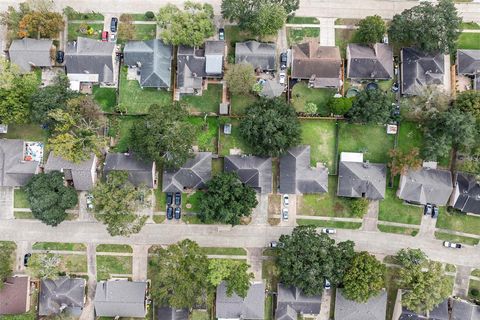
point(359, 207)
point(340, 106)
point(149, 15)
point(310, 108)
point(474, 292)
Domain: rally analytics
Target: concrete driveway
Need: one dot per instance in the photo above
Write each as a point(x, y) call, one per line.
point(6, 203)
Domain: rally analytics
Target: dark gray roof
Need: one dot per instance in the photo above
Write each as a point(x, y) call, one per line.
point(192, 175)
point(460, 310)
point(253, 171)
point(154, 59)
point(296, 175)
point(367, 62)
point(81, 173)
point(420, 69)
point(88, 56)
point(140, 172)
point(234, 307)
point(258, 54)
point(476, 82)
point(362, 179)
point(467, 193)
point(426, 186)
point(293, 298)
point(120, 298)
point(14, 172)
point(55, 294)
point(169, 313)
point(28, 52)
point(272, 89)
point(374, 309)
point(468, 61)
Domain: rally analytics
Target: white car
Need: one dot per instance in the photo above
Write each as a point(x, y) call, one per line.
point(285, 200)
point(89, 198)
point(285, 214)
point(326, 284)
point(449, 244)
point(329, 231)
point(282, 78)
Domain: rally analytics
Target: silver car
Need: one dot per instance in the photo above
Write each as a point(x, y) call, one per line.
point(285, 214)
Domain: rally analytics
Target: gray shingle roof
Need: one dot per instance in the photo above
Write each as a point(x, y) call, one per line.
point(253, 171)
point(296, 175)
point(420, 69)
point(120, 298)
point(28, 52)
point(366, 62)
point(14, 172)
point(467, 193)
point(155, 60)
point(468, 61)
point(359, 179)
point(460, 310)
point(140, 172)
point(258, 54)
point(374, 309)
point(54, 294)
point(214, 52)
point(168, 313)
point(88, 56)
point(14, 294)
point(293, 298)
point(234, 307)
point(426, 186)
point(476, 82)
point(81, 173)
point(192, 175)
point(272, 89)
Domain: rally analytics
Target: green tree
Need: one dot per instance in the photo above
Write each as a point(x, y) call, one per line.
point(11, 19)
point(233, 272)
point(164, 136)
point(6, 261)
point(428, 101)
point(267, 20)
point(409, 258)
point(45, 266)
point(469, 101)
point(38, 24)
point(270, 127)
point(371, 107)
point(188, 27)
point(49, 197)
point(115, 202)
point(432, 28)
point(400, 162)
point(340, 106)
point(307, 258)
point(227, 200)
point(365, 278)
point(311, 108)
point(240, 78)
point(180, 275)
point(371, 29)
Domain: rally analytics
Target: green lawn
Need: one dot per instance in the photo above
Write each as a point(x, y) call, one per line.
point(159, 218)
point(206, 133)
point(385, 85)
point(191, 219)
point(29, 132)
point(302, 94)
point(238, 103)
point(224, 251)
point(391, 284)
point(106, 98)
point(120, 128)
point(193, 200)
point(474, 284)
point(458, 222)
point(232, 141)
point(217, 166)
point(73, 31)
point(320, 135)
point(23, 215)
point(145, 31)
point(400, 230)
point(208, 102)
point(20, 199)
point(302, 20)
point(160, 197)
point(299, 35)
point(410, 136)
point(107, 265)
point(343, 37)
point(88, 16)
point(199, 315)
point(475, 273)
point(469, 41)
point(347, 21)
point(70, 263)
point(137, 100)
point(455, 238)
point(470, 25)
point(114, 248)
point(59, 246)
point(139, 17)
point(329, 224)
point(271, 274)
point(394, 210)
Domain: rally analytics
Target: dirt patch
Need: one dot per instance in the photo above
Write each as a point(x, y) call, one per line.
point(274, 204)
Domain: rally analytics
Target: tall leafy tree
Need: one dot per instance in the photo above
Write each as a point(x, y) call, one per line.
point(469, 101)
point(400, 162)
point(227, 200)
point(240, 78)
point(6, 260)
point(371, 29)
point(409, 258)
point(233, 272)
point(164, 136)
point(267, 20)
point(49, 197)
point(11, 18)
point(45, 266)
point(270, 127)
point(432, 28)
point(371, 106)
point(428, 101)
point(365, 278)
point(38, 24)
point(115, 202)
point(340, 106)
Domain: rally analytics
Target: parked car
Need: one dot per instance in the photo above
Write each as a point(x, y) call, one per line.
point(26, 258)
point(113, 37)
point(113, 24)
point(283, 60)
point(169, 213)
point(221, 34)
point(178, 198)
point(169, 198)
point(395, 109)
point(395, 87)
point(329, 231)
point(428, 209)
point(435, 212)
point(285, 200)
point(326, 284)
point(105, 36)
point(178, 213)
point(282, 78)
point(60, 57)
point(285, 214)
point(276, 244)
point(89, 198)
point(449, 244)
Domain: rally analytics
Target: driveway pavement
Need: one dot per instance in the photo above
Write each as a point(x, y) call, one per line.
point(255, 259)
point(140, 261)
point(427, 227)
point(88, 310)
point(327, 31)
point(6, 203)
point(260, 213)
point(462, 280)
point(325, 305)
point(370, 219)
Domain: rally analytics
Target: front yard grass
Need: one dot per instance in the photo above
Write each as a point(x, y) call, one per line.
point(74, 32)
point(70, 263)
point(371, 140)
point(28, 132)
point(224, 251)
point(320, 135)
point(191, 201)
point(399, 230)
point(114, 248)
point(191, 219)
point(87, 16)
point(23, 215)
point(343, 37)
point(158, 218)
point(410, 136)
point(106, 98)
point(232, 141)
point(391, 284)
point(329, 224)
point(458, 222)
point(145, 31)
point(297, 34)
point(302, 20)
point(209, 102)
point(469, 40)
point(206, 132)
point(394, 210)
point(59, 246)
point(238, 103)
point(160, 197)
point(474, 284)
point(20, 199)
point(302, 94)
point(455, 238)
point(108, 265)
point(470, 26)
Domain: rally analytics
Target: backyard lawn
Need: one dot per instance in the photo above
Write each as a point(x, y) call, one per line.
point(394, 210)
point(232, 141)
point(469, 40)
point(458, 222)
point(320, 135)
point(238, 103)
point(208, 102)
point(298, 35)
point(120, 128)
point(74, 32)
point(206, 133)
point(371, 140)
point(29, 132)
point(410, 136)
point(116, 265)
point(191, 201)
point(302, 94)
point(20, 199)
point(106, 98)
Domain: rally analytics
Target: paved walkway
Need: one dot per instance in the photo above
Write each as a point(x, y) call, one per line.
point(327, 31)
point(140, 262)
point(370, 219)
point(462, 280)
point(6, 203)
point(255, 259)
point(325, 305)
point(260, 213)
point(88, 310)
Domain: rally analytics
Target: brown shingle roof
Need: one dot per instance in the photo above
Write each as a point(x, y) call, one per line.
point(14, 295)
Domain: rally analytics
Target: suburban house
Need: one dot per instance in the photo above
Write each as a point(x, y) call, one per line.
point(297, 176)
point(168, 313)
point(196, 64)
point(466, 193)
point(19, 161)
point(426, 185)
point(32, 53)
point(259, 54)
point(361, 179)
point(374, 309)
point(291, 302)
point(15, 295)
point(121, 298)
point(320, 65)
point(252, 171)
point(140, 172)
point(150, 61)
point(89, 61)
point(61, 295)
point(193, 175)
point(468, 64)
point(81, 176)
point(419, 69)
point(252, 307)
point(369, 62)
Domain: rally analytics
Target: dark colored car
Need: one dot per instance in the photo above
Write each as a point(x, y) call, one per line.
point(105, 36)
point(169, 213)
point(113, 24)
point(60, 56)
point(221, 34)
point(395, 110)
point(283, 60)
point(428, 209)
point(169, 198)
point(395, 87)
point(178, 213)
point(435, 212)
point(178, 198)
point(26, 258)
